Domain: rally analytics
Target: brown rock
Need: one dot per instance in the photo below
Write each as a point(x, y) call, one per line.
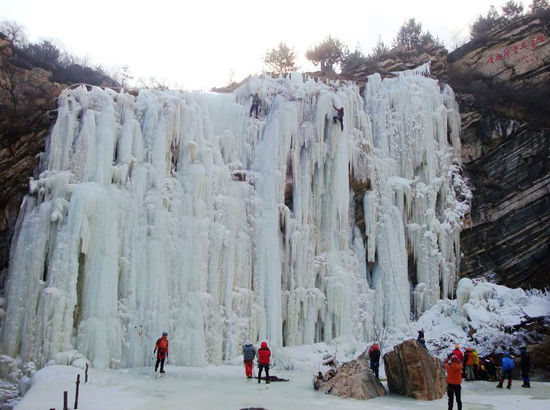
point(412, 371)
point(353, 379)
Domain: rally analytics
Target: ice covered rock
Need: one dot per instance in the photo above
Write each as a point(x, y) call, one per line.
point(413, 372)
point(353, 379)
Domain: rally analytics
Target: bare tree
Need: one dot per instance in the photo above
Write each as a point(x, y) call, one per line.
point(15, 32)
point(512, 10)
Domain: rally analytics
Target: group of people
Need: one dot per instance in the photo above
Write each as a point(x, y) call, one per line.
point(264, 358)
point(472, 367)
point(257, 102)
point(467, 365)
point(249, 353)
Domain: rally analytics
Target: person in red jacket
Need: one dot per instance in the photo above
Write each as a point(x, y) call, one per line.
point(161, 349)
point(454, 379)
point(264, 355)
point(458, 353)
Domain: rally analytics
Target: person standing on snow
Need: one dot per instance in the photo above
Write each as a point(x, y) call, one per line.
point(476, 364)
point(507, 368)
point(421, 340)
point(249, 354)
point(525, 367)
point(161, 349)
point(454, 379)
point(264, 355)
point(458, 353)
point(374, 356)
point(469, 364)
point(256, 102)
point(339, 116)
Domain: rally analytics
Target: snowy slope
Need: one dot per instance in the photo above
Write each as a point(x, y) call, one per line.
point(177, 212)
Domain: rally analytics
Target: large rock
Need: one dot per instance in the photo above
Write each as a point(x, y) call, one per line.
point(412, 371)
point(353, 379)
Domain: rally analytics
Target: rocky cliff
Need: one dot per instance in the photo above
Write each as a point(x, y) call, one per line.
point(27, 96)
point(28, 102)
point(503, 89)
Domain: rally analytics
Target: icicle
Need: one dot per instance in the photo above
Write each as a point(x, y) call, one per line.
point(178, 212)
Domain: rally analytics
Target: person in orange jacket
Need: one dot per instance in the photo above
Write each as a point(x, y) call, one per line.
point(454, 380)
point(161, 349)
point(469, 364)
point(264, 355)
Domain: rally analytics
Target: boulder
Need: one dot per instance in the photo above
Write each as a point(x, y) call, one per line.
point(413, 372)
point(353, 379)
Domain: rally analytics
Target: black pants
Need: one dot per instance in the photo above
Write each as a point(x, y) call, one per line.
point(255, 108)
point(454, 390)
point(161, 361)
point(375, 367)
point(336, 118)
point(266, 367)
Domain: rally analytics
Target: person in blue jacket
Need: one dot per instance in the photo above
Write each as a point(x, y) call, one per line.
point(507, 368)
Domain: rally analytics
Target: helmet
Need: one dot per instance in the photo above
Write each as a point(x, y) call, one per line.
point(264, 344)
point(165, 333)
point(454, 358)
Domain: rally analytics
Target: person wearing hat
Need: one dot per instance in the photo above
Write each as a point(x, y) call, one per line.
point(264, 355)
point(249, 354)
point(374, 356)
point(507, 369)
point(454, 380)
point(458, 353)
point(161, 349)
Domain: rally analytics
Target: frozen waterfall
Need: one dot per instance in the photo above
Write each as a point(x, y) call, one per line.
point(177, 212)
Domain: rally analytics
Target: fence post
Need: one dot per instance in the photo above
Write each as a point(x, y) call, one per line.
point(77, 387)
point(65, 400)
point(86, 374)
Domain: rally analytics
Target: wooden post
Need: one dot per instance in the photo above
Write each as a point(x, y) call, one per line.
point(77, 387)
point(86, 374)
point(65, 400)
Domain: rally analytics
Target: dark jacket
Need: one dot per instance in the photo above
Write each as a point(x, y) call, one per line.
point(249, 352)
point(340, 111)
point(374, 355)
point(525, 362)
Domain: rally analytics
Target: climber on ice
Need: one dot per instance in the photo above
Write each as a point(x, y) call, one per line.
point(255, 105)
point(161, 349)
point(249, 353)
point(339, 116)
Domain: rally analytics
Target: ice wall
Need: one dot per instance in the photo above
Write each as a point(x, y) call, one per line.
point(177, 212)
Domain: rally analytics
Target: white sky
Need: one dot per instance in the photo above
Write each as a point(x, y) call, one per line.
point(195, 44)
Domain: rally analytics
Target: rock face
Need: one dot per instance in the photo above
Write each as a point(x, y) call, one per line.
point(353, 379)
point(503, 89)
point(413, 372)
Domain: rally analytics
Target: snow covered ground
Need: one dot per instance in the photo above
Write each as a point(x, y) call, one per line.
point(488, 308)
point(225, 388)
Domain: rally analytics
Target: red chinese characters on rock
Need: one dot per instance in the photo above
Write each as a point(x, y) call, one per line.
point(528, 45)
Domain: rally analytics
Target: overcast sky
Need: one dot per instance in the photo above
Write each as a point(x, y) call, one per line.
point(195, 44)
